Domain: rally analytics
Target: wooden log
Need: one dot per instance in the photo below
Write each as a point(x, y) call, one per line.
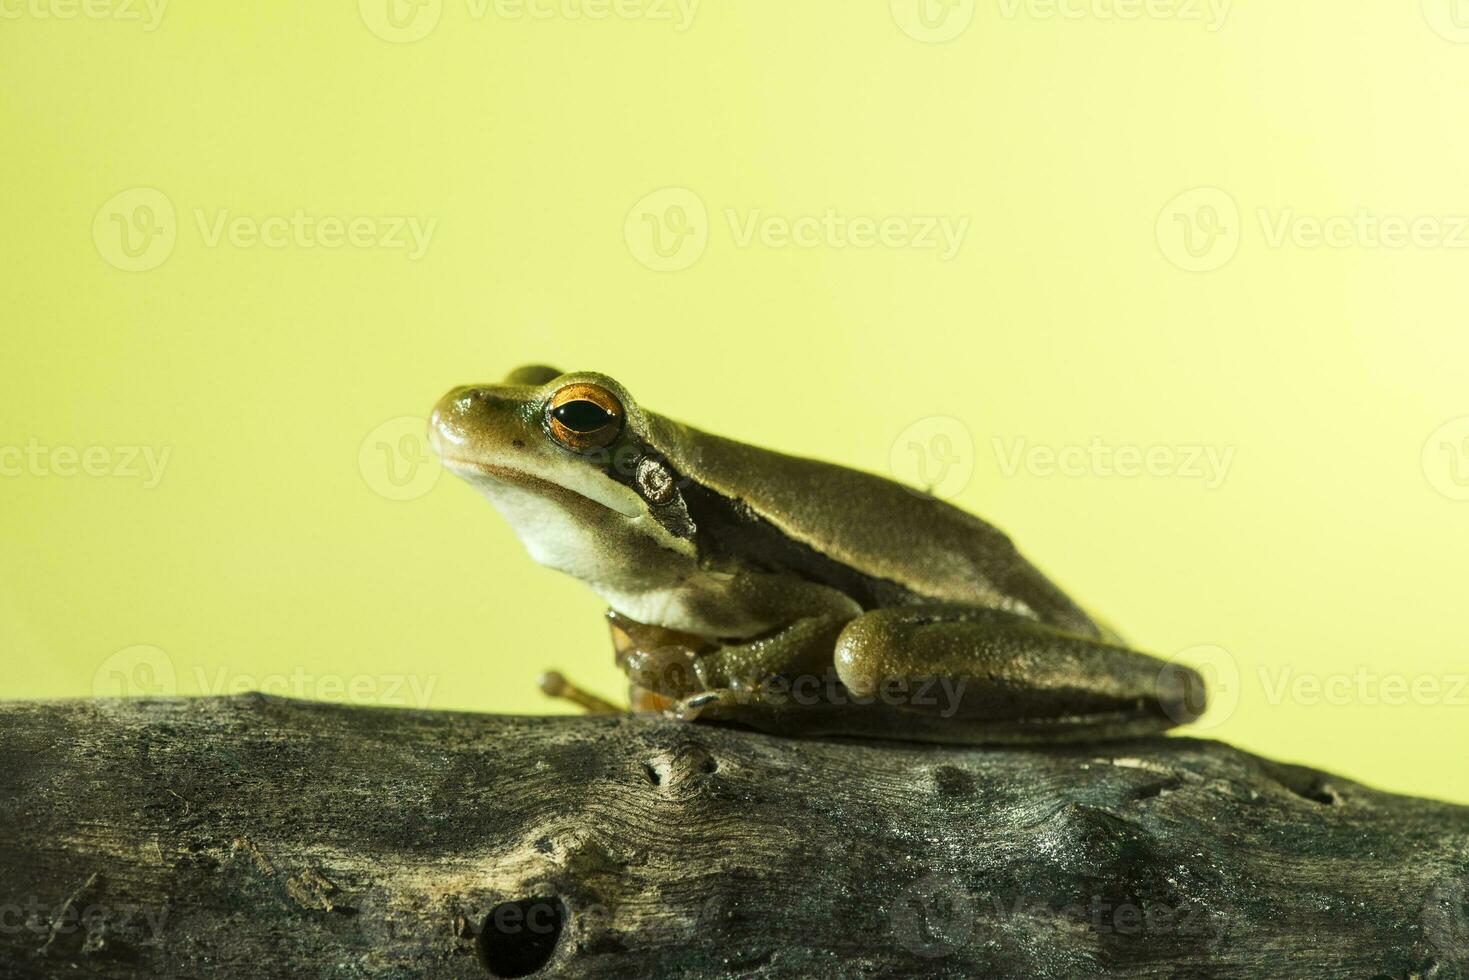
point(262, 837)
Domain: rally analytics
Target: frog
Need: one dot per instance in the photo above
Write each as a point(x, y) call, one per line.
point(790, 595)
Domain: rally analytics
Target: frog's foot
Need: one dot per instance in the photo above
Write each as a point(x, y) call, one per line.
point(748, 708)
point(554, 685)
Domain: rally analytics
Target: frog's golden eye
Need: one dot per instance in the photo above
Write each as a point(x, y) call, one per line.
point(584, 417)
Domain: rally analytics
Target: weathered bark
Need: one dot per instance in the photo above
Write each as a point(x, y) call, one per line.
point(259, 837)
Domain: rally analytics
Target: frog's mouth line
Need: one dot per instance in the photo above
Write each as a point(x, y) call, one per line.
point(539, 484)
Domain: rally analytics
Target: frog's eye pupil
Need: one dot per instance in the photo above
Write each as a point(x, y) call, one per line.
point(582, 415)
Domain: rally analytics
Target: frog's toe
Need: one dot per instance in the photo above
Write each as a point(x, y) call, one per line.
point(669, 671)
point(1181, 693)
point(691, 708)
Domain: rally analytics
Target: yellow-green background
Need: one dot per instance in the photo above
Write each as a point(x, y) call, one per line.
point(265, 549)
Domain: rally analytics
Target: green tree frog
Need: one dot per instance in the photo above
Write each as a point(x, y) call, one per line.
point(790, 595)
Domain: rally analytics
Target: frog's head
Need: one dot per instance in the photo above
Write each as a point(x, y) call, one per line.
point(568, 460)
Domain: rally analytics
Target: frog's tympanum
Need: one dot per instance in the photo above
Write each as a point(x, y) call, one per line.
point(790, 595)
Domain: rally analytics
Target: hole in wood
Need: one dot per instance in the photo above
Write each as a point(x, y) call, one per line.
point(518, 937)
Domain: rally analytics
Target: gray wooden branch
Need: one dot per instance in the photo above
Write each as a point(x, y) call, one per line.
point(260, 837)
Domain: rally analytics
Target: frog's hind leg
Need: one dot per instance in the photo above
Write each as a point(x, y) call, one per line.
point(963, 673)
point(554, 685)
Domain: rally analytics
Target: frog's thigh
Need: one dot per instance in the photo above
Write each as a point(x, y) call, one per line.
point(993, 669)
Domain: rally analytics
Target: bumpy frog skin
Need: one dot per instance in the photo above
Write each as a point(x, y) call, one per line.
point(790, 595)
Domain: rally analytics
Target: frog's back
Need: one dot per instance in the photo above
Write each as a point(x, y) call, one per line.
point(905, 544)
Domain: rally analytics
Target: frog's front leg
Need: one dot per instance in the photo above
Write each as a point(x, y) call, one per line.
point(675, 666)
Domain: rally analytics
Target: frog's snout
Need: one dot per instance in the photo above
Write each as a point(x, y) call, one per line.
point(452, 418)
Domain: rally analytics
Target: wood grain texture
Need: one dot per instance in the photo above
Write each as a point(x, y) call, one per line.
point(261, 837)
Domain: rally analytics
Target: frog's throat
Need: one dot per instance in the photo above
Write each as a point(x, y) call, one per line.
point(599, 489)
